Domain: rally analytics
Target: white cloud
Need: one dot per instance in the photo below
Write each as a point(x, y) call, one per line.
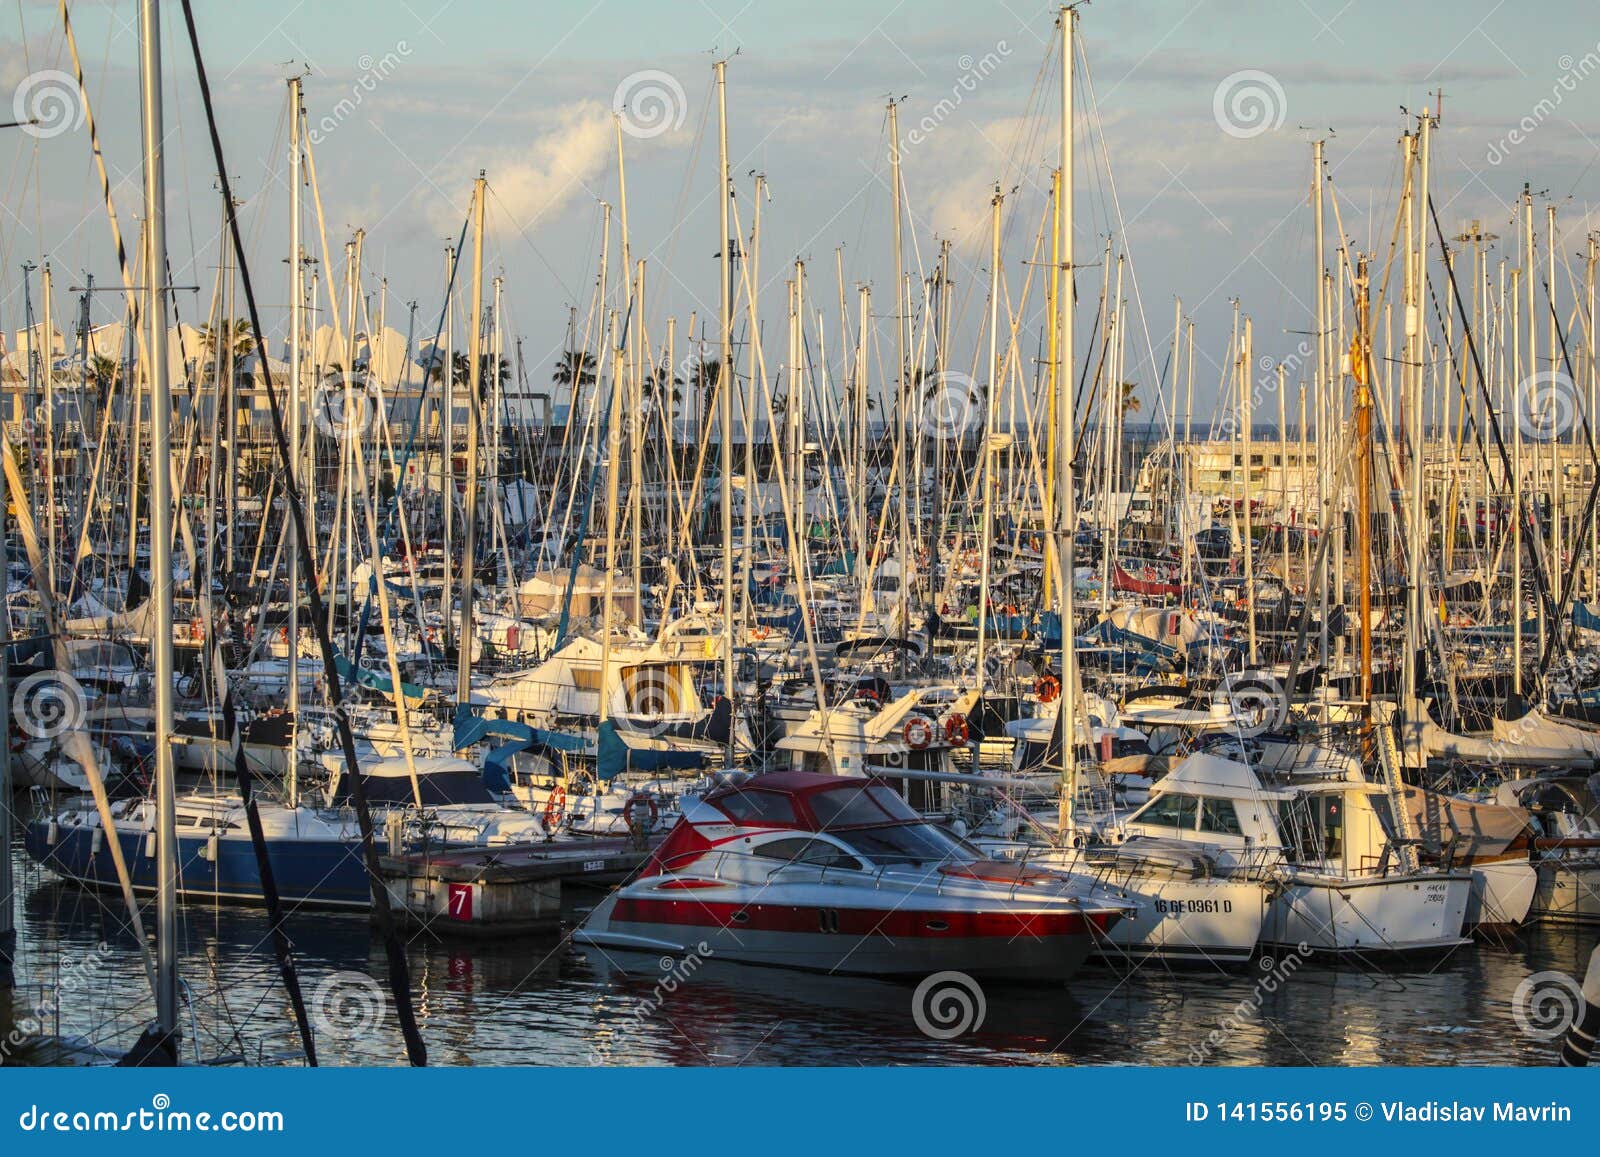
point(533, 183)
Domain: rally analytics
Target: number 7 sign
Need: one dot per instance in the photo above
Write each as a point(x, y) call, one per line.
point(461, 901)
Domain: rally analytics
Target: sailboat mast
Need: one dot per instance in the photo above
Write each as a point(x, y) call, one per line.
point(155, 199)
point(902, 406)
point(296, 304)
point(725, 392)
point(470, 518)
point(1320, 382)
point(48, 369)
point(1361, 367)
point(1066, 505)
point(1415, 279)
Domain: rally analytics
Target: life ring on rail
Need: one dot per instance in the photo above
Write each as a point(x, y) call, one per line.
point(918, 732)
point(630, 809)
point(1048, 688)
point(956, 730)
point(555, 807)
point(761, 632)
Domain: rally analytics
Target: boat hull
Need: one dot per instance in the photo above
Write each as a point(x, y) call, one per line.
point(315, 873)
point(1214, 921)
point(1568, 891)
point(904, 941)
point(1502, 894)
point(1367, 916)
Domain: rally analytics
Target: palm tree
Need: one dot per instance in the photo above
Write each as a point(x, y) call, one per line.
point(233, 339)
point(575, 370)
point(486, 376)
point(1130, 399)
point(661, 377)
point(104, 372)
point(704, 375)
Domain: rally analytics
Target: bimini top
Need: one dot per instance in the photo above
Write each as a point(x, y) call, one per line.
point(806, 801)
point(786, 800)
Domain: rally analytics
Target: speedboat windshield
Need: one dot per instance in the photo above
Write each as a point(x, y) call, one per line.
point(917, 844)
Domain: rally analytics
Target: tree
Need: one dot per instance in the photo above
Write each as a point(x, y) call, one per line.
point(487, 377)
point(659, 378)
point(232, 339)
point(704, 376)
point(575, 370)
point(1130, 399)
point(104, 373)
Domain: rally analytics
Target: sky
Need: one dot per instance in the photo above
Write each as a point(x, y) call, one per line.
point(1194, 129)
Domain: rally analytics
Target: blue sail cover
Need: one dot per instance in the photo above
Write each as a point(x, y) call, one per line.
point(472, 728)
point(377, 681)
point(617, 755)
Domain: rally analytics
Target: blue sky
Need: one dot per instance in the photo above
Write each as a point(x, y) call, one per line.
point(436, 90)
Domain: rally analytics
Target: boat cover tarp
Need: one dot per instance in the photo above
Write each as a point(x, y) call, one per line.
point(618, 754)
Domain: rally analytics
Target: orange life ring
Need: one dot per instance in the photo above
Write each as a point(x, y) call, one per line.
point(555, 806)
point(956, 730)
point(641, 800)
point(918, 732)
point(761, 632)
point(1048, 688)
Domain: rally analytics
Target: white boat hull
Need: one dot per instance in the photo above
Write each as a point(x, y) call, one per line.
point(1380, 914)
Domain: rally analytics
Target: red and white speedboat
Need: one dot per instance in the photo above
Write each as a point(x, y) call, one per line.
point(838, 874)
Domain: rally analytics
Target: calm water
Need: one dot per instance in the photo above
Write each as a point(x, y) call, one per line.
point(539, 1001)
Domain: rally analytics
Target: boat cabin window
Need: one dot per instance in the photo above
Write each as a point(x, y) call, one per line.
point(1170, 810)
point(1220, 817)
point(1381, 809)
point(800, 850)
point(859, 805)
point(1314, 828)
point(758, 807)
point(915, 844)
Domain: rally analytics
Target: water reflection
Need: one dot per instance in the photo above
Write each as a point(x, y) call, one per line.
point(540, 1001)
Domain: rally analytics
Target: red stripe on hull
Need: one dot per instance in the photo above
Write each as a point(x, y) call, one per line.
point(897, 923)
